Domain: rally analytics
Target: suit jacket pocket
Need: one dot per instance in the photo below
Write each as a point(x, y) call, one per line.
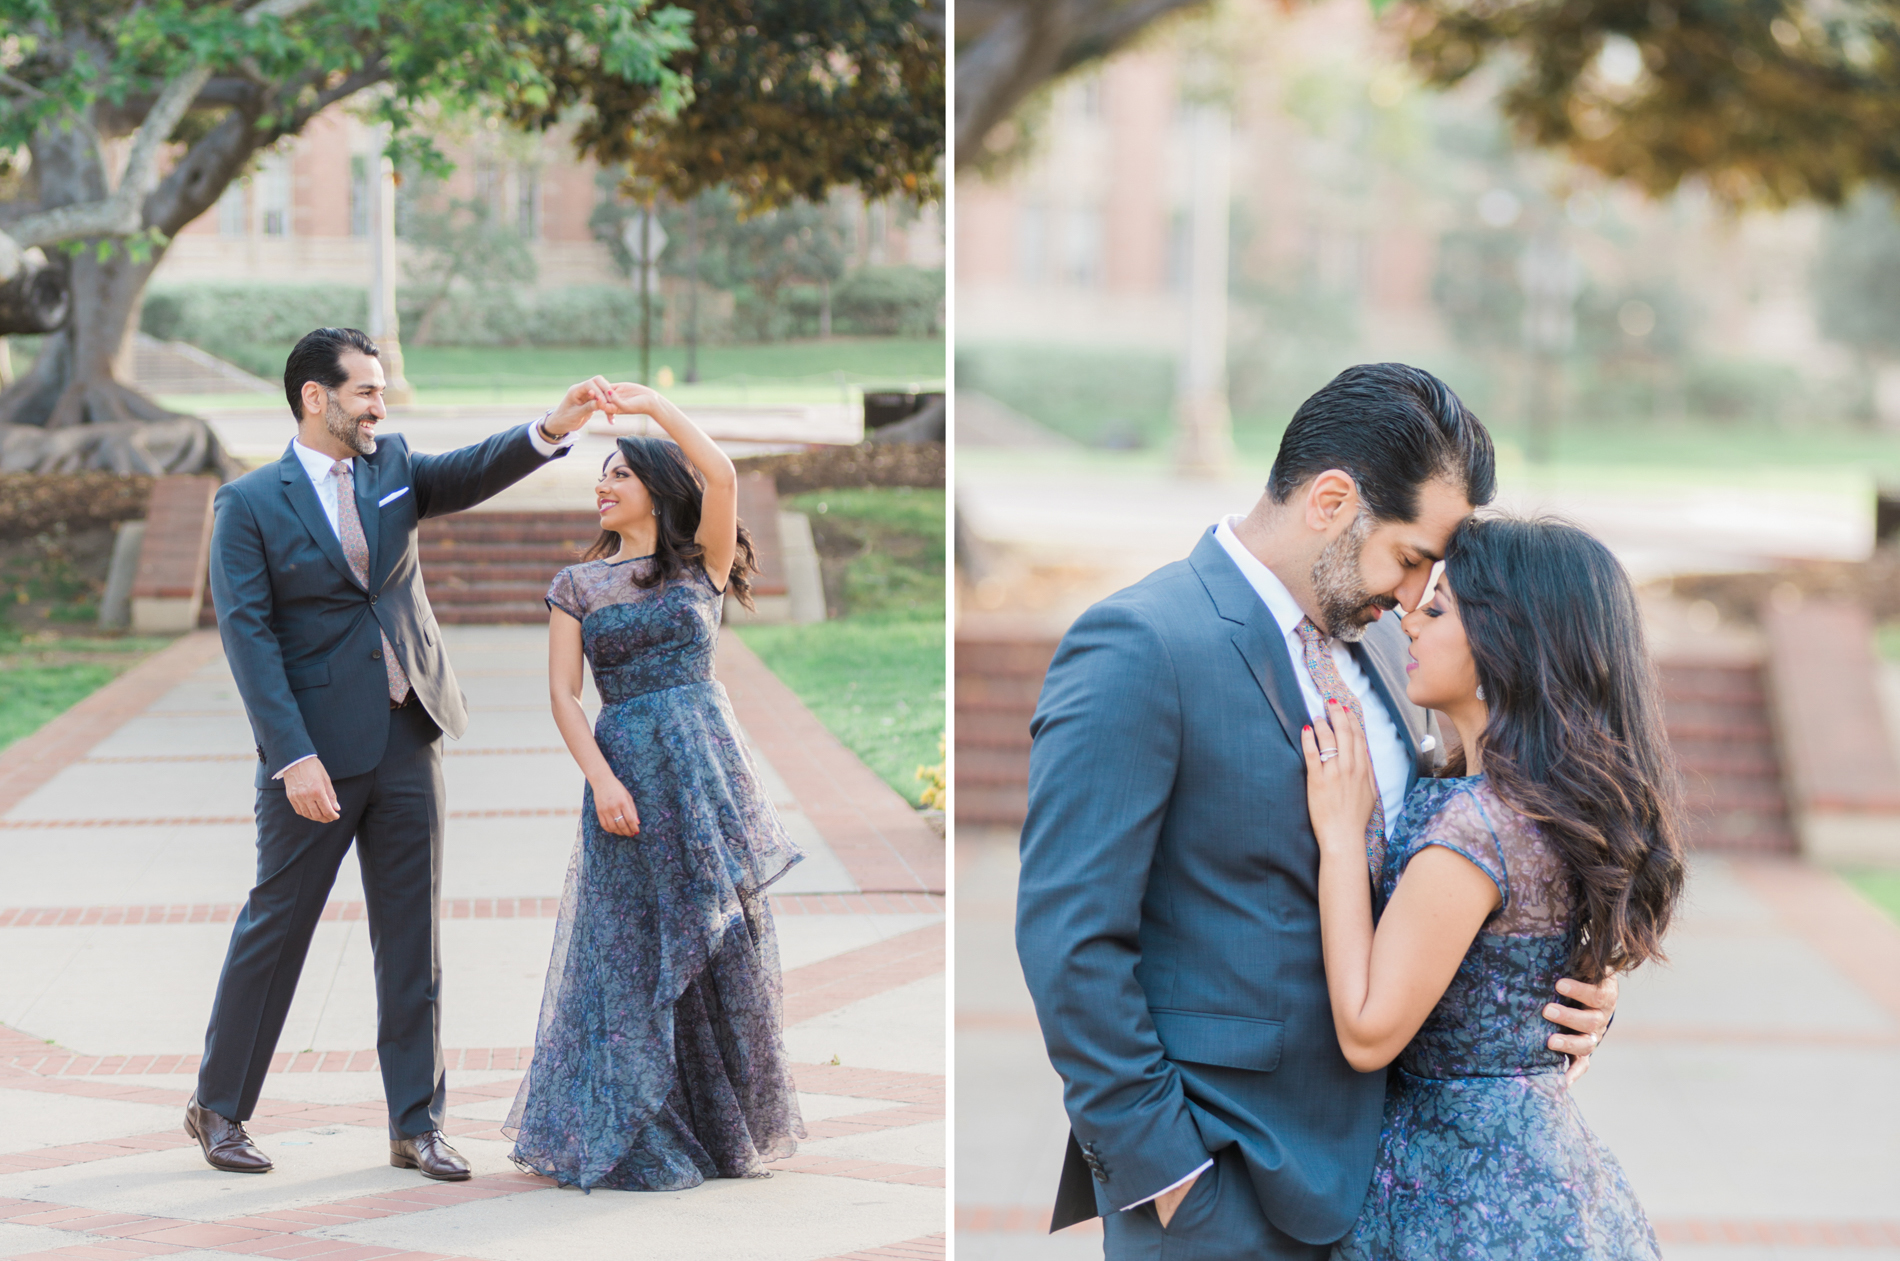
point(302, 677)
point(1199, 1037)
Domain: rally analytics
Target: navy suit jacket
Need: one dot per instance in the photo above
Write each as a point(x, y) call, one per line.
point(301, 633)
point(1168, 916)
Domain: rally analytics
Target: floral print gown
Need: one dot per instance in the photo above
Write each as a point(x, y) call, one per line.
point(1484, 1154)
point(659, 1061)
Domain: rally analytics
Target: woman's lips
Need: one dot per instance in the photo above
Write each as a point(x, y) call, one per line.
point(1411, 666)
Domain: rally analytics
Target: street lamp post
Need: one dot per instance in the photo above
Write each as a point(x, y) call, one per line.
point(385, 326)
point(1204, 441)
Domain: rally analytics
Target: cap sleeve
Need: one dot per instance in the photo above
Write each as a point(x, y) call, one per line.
point(1465, 825)
point(564, 594)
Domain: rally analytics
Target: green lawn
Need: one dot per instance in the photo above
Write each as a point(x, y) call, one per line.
point(42, 678)
point(833, 370)
point(874, 674)
point(1882, 888)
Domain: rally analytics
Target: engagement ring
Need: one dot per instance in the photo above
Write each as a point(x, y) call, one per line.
point(1327, 755)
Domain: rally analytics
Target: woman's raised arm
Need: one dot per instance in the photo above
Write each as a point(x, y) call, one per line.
point(719, 510)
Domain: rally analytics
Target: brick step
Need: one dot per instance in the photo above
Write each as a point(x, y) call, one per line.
point(437, 554)
point(1730, 764)
point(988, 656)
point(992, 728)
point(493, 571)
point(467, 593)
point(1742, 685)
point(992, 766)
point(985, 806)
point(501, 614)
point(1756, 731)
point(991, 691)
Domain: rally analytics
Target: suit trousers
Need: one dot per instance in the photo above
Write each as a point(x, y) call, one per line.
point(1219, 1220)
point(396, 816)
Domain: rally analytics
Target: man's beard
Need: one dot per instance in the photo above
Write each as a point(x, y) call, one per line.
point(1340, 590)
point(344, 428)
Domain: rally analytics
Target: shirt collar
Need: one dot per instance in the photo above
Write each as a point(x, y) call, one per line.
point(315, 463)
point(1266, 584)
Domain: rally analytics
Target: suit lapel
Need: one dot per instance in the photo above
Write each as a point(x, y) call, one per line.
point(371, 517)
point(1261, 643)
point(1379, 656)
point(303, 500)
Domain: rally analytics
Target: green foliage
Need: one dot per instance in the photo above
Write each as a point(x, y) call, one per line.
point(1120, 397)
point(218, 315)
point(877, 685)
point(872, 302)
point(874, 673)
point(1476, 288)
point(31, 698)
point(789, 99)
point(1857, 277)
point(435, 54)
point(462, 250)
point(1882, 888)
point(1769, 101)
point(33, 504)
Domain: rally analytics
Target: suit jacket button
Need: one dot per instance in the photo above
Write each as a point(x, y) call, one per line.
point(372, 599)
point(376, 654)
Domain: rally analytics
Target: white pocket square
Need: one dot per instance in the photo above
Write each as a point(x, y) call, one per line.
point(392, 496)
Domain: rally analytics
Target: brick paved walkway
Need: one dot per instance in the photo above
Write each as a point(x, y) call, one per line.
point(1747, 1089)
point(125, 846)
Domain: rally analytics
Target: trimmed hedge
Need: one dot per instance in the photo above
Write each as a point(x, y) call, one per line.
point(33, 503)
point(866, 464)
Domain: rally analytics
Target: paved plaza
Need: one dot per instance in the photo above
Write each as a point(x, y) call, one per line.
point(1747, 1087)
point(126, 848)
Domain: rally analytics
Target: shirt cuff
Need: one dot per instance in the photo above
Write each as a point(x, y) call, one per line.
point(545, 447)
point(1205, 1166)
point(287, 765)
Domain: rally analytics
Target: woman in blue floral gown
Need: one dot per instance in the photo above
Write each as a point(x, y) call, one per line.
point(659, 1061)
point(1551, 849)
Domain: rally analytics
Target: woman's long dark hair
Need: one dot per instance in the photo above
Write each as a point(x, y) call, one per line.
point(677, 490)
point(1575, 739)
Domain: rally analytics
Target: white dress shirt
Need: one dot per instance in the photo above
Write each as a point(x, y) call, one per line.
point(1391, 749)
point(320, 468)
point(1392, 753)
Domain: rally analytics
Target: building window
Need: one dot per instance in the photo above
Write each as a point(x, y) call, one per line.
point(528, 203)
point(273, 191)
point(1032, 243)
point(233, 219)
point(1082, 247)
point(360, 193)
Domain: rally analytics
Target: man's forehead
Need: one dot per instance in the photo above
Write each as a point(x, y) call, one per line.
point(1441, 507)
point(362, 368)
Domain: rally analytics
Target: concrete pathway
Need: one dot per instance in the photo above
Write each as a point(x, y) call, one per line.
point(126, 848)
point(1747, 1088)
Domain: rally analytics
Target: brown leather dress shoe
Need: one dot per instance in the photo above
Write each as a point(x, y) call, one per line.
point(431, 1155)
point(226, 1145)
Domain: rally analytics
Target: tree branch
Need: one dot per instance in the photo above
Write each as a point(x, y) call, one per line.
point(1010, 48)
point(120, 214)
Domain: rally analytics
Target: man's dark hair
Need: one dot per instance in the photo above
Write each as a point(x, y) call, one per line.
point(319, 357)
point(1392, 428)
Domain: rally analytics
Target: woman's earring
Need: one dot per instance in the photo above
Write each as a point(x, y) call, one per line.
point(1480, 691)
point(656, 512)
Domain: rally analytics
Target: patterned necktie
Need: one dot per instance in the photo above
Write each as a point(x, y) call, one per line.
point(349, 529)
point(1318, 652)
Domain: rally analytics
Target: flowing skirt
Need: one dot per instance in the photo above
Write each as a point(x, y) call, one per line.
point(1476, 1168)
point(660, 1060)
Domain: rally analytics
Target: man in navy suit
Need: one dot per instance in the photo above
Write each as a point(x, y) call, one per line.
point(1167, 920)
point(340, 663)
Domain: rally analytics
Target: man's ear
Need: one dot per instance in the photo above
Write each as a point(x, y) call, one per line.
point(1331, 497)
point(312, 396)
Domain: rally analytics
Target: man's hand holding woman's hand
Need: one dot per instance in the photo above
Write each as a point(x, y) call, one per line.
point(1339, 785)
point(580, 402)
point(613, 806)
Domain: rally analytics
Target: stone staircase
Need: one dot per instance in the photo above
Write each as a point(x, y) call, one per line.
point(1719, 724)
point(494, 567)
point(1717, 715)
